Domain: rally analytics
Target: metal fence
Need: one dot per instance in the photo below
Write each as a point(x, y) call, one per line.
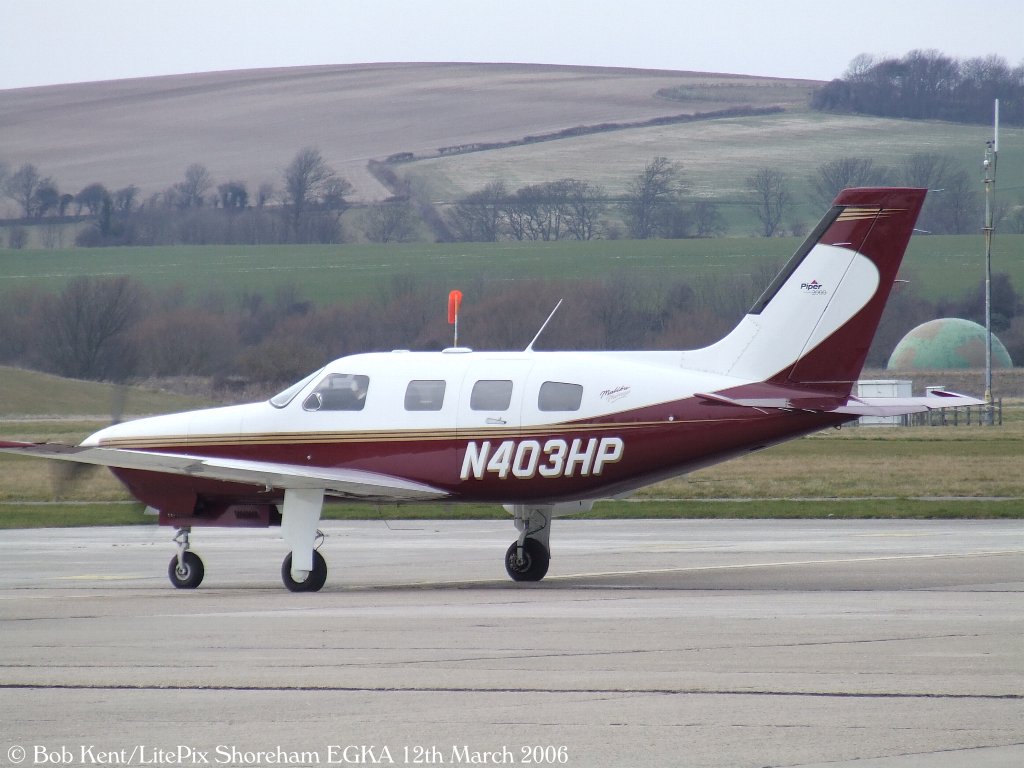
point(967, 416)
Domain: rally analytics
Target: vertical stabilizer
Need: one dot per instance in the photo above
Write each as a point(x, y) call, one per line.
point(813, 325)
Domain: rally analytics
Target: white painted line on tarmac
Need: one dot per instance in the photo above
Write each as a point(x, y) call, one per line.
point(783, 564)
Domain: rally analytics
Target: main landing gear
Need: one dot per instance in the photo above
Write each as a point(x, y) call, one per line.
point(186, 569)
point(303, 570)
point(528, 557)
point(315, 578)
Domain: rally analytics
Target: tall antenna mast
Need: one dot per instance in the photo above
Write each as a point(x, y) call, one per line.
point(991, 154)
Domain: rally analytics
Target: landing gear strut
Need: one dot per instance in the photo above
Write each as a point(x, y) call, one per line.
point(185, 569)
point(304, 569)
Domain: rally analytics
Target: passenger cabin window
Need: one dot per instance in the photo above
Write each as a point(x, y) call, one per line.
point(491, 395)
point(559, 396)
point(424, 395)
point(338, 392)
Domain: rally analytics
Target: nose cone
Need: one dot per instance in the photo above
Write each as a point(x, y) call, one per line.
point(140, 433)
point(171, 432)
point(93, 440)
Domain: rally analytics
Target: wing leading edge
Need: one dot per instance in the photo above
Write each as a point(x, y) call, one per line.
point(349, 483)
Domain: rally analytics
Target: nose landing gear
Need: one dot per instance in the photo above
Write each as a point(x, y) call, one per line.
point(527, 561)
point(528, 557)
point(186, 568)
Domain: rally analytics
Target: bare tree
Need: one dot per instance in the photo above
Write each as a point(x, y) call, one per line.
point(554, 210)
point(650, 196)
point(707, 219)
point(772, 199)
point(859, 66)
point(91, 198)
point(390, 222)
point(957, 209)
point(478, 216)
point(538, 211)
point(17, 238)
point(333, 198)
point(124, 198)
point(306, 179)
point(926, 169)
point(585, 203)
point(88, 327)
point(65, 202)
point(23, 186)
point(931, 171)
point(836, 175)
point(952, 205)
point(264, 194)
point(46, 198)
point(191, 192)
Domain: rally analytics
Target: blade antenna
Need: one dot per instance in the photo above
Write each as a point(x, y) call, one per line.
point(529, 347)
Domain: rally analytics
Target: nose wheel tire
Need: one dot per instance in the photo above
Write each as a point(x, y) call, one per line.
point(313, 583)
point(534, 562)
point(188, 574)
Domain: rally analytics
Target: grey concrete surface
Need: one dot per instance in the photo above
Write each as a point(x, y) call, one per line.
point(875, 644)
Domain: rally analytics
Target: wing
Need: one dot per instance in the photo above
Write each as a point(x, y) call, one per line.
point(349, 483)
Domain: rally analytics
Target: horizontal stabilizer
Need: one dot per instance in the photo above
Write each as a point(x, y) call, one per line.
point(899, 406)
point(854, 406)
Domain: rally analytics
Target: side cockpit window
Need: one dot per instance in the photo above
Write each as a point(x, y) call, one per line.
point(338, 392)
point(425, 395)
point(281, 399)
point(559, 396)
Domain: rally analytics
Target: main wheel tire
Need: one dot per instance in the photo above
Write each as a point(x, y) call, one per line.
point(189, 574)
point(536, 559)
point(313, 583)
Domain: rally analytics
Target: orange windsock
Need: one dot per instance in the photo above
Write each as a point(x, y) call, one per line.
point(454, 300)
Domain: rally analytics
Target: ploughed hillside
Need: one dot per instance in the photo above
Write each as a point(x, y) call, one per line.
point(247, 125)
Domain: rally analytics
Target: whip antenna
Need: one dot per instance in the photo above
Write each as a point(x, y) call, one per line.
point(529, 347)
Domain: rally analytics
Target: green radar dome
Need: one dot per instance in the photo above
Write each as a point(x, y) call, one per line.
point(945, 344)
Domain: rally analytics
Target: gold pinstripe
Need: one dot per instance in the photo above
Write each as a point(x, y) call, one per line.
point(396, 436)
point(863, 214)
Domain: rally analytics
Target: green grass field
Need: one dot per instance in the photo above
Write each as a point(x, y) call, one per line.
point(717, 156)
point(938, 265)
point(30, 394)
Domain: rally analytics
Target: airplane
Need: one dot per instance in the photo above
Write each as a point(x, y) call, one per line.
point(543, 433)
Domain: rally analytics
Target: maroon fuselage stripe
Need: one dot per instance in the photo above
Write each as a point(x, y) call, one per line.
point(658, 442)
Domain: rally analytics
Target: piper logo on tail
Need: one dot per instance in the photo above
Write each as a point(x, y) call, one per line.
point(813, 288)
point(525, 459)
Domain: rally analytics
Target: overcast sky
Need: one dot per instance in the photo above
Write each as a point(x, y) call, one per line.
point(61, 41)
